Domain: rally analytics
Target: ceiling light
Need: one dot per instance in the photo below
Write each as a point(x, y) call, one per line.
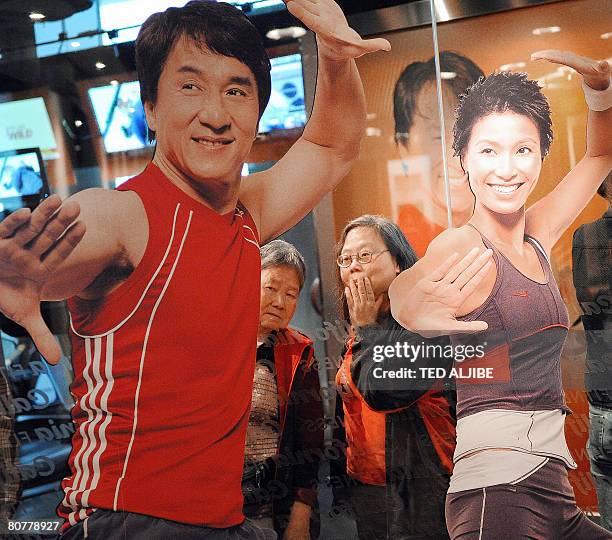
point(442, 10)
point(75, 44)
point(447, 75)
point(78, 123)
point(114, 82)
point(35, 16)
point(291, 32)
point(546, 30)
point(373, 132)
point(100, 65)
point(607, 35)
point(511, 66)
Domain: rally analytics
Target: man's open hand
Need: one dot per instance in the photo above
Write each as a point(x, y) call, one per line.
point(335, 38)
point(32, 246)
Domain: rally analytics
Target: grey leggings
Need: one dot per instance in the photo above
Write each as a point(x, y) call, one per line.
point(541, 507)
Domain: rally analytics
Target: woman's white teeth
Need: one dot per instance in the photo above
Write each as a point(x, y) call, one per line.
point(505, 189)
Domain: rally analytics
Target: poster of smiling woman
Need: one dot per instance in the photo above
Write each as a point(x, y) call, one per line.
point(400, 173)
point(497, 288)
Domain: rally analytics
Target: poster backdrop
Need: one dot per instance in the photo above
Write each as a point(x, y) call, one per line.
point(399, 173)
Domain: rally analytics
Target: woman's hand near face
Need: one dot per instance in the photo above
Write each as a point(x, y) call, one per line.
point(362, 304)
point(428, 302)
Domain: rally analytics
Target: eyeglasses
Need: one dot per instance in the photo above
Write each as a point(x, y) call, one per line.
point(363, 257)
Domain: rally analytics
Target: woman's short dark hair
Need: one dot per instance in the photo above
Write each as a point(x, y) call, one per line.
point(281, 253)
point(416, 75)
point(394, 240)
point(217, 27)
point(499, 93)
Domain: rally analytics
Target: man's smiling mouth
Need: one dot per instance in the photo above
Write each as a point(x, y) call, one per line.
point(210, 142)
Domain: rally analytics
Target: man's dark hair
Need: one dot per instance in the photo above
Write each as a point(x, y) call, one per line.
point(417, 74)
point(217, 27)
point(394, 240)
point(499, 93)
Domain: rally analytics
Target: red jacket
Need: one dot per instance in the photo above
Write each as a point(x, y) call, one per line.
point(420, 428)
point(364, 427)
point(301, 423)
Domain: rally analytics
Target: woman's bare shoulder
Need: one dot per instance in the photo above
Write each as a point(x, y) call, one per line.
point(460, 240)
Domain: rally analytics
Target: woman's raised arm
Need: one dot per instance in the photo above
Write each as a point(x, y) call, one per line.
point(548, 219)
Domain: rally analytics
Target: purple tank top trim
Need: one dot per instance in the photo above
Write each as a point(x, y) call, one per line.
point(505, 269)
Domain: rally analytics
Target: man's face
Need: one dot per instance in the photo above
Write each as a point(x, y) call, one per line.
point(424, 139)
point(280, 289)
point(205, 117)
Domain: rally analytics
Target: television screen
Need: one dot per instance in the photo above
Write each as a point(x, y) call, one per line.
point(286, 108)
point(127, 15)
point(120, 116)
point(121, 119)
point(25, 123)
point(22, 180)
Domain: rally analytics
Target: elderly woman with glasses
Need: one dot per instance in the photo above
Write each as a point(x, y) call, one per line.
point(399, 427)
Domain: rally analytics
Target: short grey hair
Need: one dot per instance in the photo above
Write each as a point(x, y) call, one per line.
point(281, 253)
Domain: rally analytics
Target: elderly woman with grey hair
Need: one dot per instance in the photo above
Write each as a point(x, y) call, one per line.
point(286, 408)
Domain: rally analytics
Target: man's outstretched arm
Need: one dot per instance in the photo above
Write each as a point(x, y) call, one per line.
point(322, 156)
point(55, 252)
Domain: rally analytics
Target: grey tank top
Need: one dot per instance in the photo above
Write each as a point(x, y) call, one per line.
point(528, 323)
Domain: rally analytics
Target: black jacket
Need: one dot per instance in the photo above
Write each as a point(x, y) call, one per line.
point(420, 423)
point(294, 470)
point(592, 271)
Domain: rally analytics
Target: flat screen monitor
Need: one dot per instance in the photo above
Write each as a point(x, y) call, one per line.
point(286, 108)
point(120, 116)
point(23, 182)
point(121, 119)
point(25, 123)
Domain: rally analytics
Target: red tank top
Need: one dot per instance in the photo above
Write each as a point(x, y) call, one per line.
point(164, 366)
